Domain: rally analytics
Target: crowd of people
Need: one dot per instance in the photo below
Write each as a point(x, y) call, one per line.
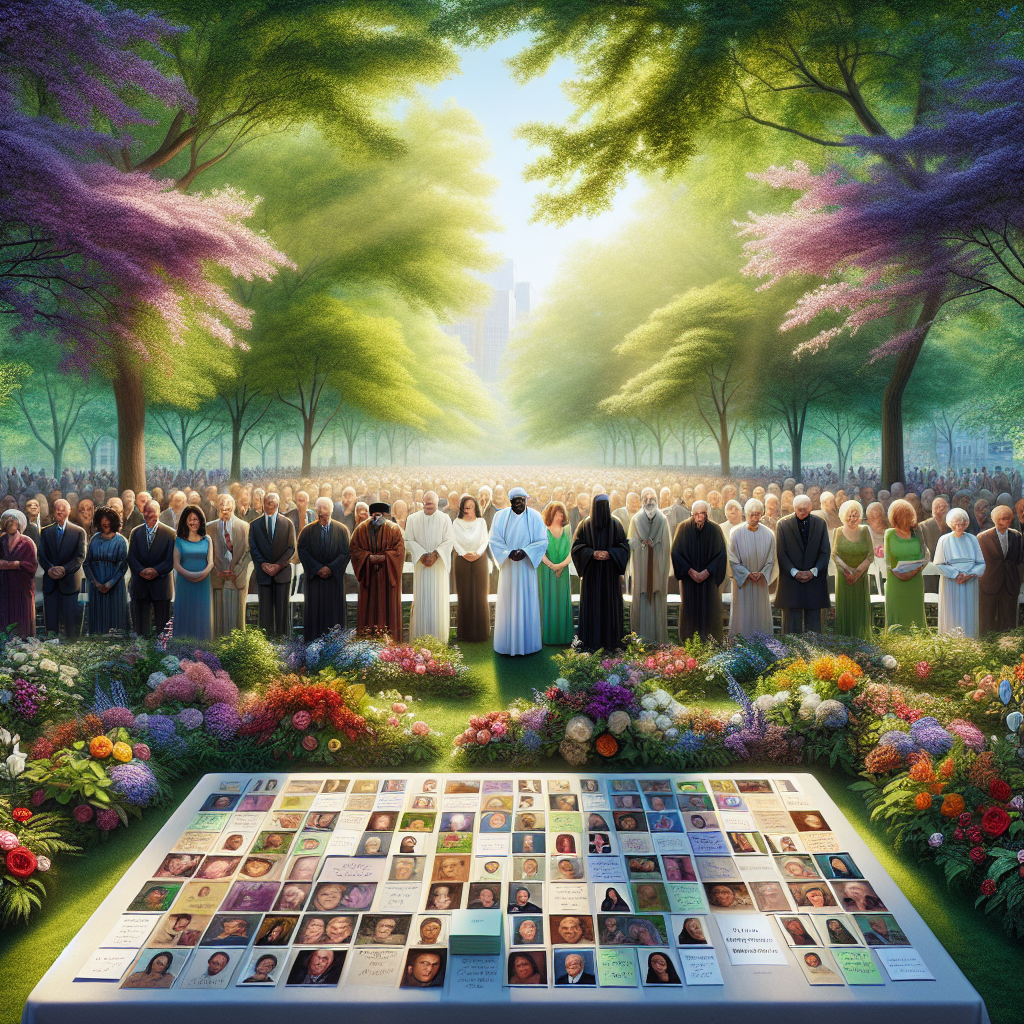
point(195, 545)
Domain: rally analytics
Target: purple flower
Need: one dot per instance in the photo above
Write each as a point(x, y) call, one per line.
point(899, 741)
point(117, 718)
point(972, 736)
point(533, 718)
point(107, 819)
point(160, 731)
point(930, 736)
point(208, 659)
point(191, 718)
point(735, 745)
point(832, 714)
point(222, 721)
point(135, 782)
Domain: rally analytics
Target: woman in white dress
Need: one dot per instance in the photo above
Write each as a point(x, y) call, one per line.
point(959, 559)
point(472, 571)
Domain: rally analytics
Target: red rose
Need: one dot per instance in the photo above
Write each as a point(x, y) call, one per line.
point(310, 743)
point(974, 835)
point(958, 834)
point(978, 854)
point(1000, 790)
point(965, 819)
point(21, 814)
point(988, 887)
point(21, 862)
point(995, 821)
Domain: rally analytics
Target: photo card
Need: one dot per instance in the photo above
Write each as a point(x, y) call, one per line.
point(574, 967)
point(156, 968)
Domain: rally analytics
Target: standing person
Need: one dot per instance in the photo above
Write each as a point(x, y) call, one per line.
point(1003, 550)
point(171, 514)
point(650, 548)
point(553, 579)
point(193, 562)
point(803, 550)
point(229, 580)
point(428, 540)
point(753, 562)
point(469, 539)
point(958, 556)
point(61, 554)
point(271, 546)
point(301, 516)
point(600, 553)
point(151, 559)
point(579, 511)
point(17, 575)
point(699, 562)
point(378, 551)
point(853, 552)
point(518, 543)
point(904, 591)
point(324, 552)
point(105, 566)
point(132, 515)
point(345, 510)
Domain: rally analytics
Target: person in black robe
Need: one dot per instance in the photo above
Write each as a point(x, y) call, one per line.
point(600, 553)
point(323, 551)
point(699, 550)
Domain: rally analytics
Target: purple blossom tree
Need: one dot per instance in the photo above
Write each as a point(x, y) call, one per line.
point(936, 216)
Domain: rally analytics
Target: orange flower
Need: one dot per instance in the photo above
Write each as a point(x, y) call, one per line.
point(947, 769)
point(922, 772)
point(122, 752)
point(923, 801)
point(824, 668)
point(846, 681)
point(953, 805)
point(101, 747)
point(849, 665)
point(936, 787)
point(606, 745)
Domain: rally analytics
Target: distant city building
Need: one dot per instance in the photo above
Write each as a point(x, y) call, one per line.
point(972, 449)
point(485, 335)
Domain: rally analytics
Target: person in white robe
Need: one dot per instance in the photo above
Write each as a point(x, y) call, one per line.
point(752, 559)
point(428, 542)
point(959, 559)
point(519, 540)
point(650, 549)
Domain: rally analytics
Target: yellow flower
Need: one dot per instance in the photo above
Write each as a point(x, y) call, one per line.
point(122, 752)
point(334, 745)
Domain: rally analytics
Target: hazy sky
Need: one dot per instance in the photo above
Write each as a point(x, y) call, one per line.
point(486, 88)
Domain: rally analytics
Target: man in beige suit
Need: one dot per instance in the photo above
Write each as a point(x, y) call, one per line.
point(231, 564)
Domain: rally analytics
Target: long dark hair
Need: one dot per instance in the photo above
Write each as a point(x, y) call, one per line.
point(183, 521)
point(462, 505)
point(108, 513)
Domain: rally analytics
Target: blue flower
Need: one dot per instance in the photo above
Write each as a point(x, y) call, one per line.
point(191, 718)
point(530, 741)
point(901, 742)
point(135, 782)
point(832, 714)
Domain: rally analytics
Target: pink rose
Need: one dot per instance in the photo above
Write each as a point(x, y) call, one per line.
point(141, 751)
point(399, 708)
point(301, 720)
point(393, 721)
point(651, 663)
point(420, 729)
point(8, 840)
point(499, 729)
point(483, 737)
point(310, 743)
point(421, 669)
point(691, 664)
point(670, 670)
point(477, 722)
point(432, 665)
point(406, 664)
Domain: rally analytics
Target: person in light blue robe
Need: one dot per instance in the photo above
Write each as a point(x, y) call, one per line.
point(959, 559)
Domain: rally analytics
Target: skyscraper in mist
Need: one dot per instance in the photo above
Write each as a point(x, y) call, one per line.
point(485, 334)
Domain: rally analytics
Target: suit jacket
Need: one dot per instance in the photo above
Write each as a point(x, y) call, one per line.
point(131, 521)
point(237, 559)
point(931, 531)
point(70, 553)
point(159, 556)
point(293, 515)
point(585, 979)
point(168, 518)
point(348, 520)
point(794, 554)
point(32, 532)
point(1002, 572)
point(279, 552)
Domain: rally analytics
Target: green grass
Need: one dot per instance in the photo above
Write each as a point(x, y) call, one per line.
point(989, 960)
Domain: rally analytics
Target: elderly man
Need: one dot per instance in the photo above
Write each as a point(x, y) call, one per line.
point(324, 552)
point(487, 509)
point(650, 546)
point(829, 513)
point(753, 563)
point(625, 515)
point(61, 554)
point(271, 545)
point(169, 516)
point(377, 550)
point(999, 587)
point(151, 559)
point(345, 510)
point(575, 973)
point(803, 550)
point(699, 562)
point(132, 516)
point(428, 539)
point(231, 564)
point(772, 512)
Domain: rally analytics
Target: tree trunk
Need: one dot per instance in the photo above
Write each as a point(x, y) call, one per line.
point(236, 450)
point(723, 444)
point(130, 402)
point(796, 444)
point(893, 469)
point(307, 447)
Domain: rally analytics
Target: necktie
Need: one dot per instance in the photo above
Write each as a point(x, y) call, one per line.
point(1003, 541)
point(270, 528)
point(227, 538)
point(149, 538)
point(60, 535)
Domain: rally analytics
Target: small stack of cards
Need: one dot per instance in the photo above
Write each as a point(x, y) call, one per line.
point(474, 933)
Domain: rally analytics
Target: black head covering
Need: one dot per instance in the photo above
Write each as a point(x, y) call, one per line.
point(380, 506)
point(601, 521)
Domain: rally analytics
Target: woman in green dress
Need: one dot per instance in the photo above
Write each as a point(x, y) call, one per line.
point(853, 553)
point(553, 579)
point(904, 591)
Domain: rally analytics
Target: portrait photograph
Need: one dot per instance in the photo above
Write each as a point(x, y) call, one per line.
point(334, 786)
point(659, 968)
point(574, 967)
point(217, 867)
point(799, 930)
point(287, 821)
point(325, 929)
point(690, 930)
point(526, 930)
point(320, 821)
point(428, 786)
point(597, 822)
point(528, 869)
point(411, 844)
point(627, 802)
point(526, 898)
point(694, 802)
point(374, 844)
point(255, 802)
point(424, 968)
point(455, 842)
point(444, 896)
point(234, 842)
point(780, 843)
point(210, 970)
point(262, 968)
point(495, 822)
point(489, 869)
point(320, 966)
point(559, 786)
point(529, 786)
point(382, 821)
point(529, 821)
point(590, 786)
point(571, 929)
point(364, 786)
point(302, 868)
point(624, 786)
point(406, 869)
point(457, 821)
point(728, 896)
point(678, 868)
point(528, 801)
point(837, 865)
point(423, 802)
point(631, 930)
point(880, 930)
point(293, 896)
point(818, 967)
point(527, 967)
point(565, 869)
point(196, 897)
point(450, 869)
point(484, 896)
point(566, 842)
point(155, 896)
point(745, 843)
point(599, 843)
point(178, 865)
point(462, 786)
point(273, 842)
point(265, 786)
point(394, 785)
point(664, 822)
point(357, 802)
point(497, 803)
point(413, 821)
point(156, 968)
point(276, 929)
point(251, 896)
point(612, 899)
point(643, 867)
point(563, 802)
point(754, 785)
point(220, 802)
point(858, 896)
point(629, 821)
point(265, 868)
point(809, 821)
point(175, 929)
point(813, 895)
point(230, 930)
point(769, 897)
point(658, 801)
point(799, 866)
point(839, 930)
point(383, 929)
point(430, 930)
point(649, 896)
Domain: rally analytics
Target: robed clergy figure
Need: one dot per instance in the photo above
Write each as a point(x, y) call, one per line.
point(600, 553)
point(699, 561)
point(323, 551)
point(378, 551)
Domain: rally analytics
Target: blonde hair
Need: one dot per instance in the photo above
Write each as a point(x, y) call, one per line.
point(902, 515)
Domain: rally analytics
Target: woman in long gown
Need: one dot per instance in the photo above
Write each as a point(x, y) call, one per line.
point(17, 575)
point(958, 557)
point(553, 579)
point(472, 572)
point(193, 563)
point(106, 563)
point(853, 553)
point(904, 591)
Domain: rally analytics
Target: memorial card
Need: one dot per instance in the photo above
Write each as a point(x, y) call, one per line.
point(690, 930)
point(353, 869)
point(175, 930)
point(495, 845)
point(750, 939)
point(200, 897)
point(383, 930)
point(812, 895)
point(130, 931)
point(717, 869)
point(616, 968)
point(671, 842)
point(733, 821)
point(746, 843)
point(635, 842)
point(156, 896)
point(857, 967)
point(784, 842)
point(658, 967)
point(444, 896)
point(649, 896)
point(821, 842)
point(527, 967)
point(156, 968)
point(573, 967)
point(196, 842)
point(525, 930)
point(903, 964)
point(818, 967)
point(209, 822)
point(565, 821)
point(106, 965)
point(686, 897)
point(430, 930)
point(770, 820)
point(839, 930)
point(399, 896)
point(605, 869)
point(263, 968)
point(571, 929)
point(568, 899)
point(700, 966)
point(857, 896)
point(487, 869)
point(424, 968)
point(728, 897)
point(321, 967)
point(799, 930)
point(709, 844)
point(211, 970)
point(837, 866)
point(769, 897)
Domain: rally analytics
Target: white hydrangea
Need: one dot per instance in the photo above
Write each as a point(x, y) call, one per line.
point(781, 697)
point(579, 728)
point(562, 684)
point(647, 727)
point(663, 722)
point(663, 697)
point(765, 702)
point(671, 734)
point(649, 703)
point(155, 679)
point(805, 689)
point(648, 716)
point(889, 662)
point(737, 719)
point(618, 722)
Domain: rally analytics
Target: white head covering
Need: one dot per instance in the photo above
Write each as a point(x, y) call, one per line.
point(517, 492)
point(13, 513)
point(955, 514)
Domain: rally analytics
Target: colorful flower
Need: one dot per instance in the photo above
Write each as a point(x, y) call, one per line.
point(995, 821)
point(21, 862)
point(101, 747)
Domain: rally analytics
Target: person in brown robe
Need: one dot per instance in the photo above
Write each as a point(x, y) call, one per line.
point(17, 575)
point(999, 586)
point(377, 550)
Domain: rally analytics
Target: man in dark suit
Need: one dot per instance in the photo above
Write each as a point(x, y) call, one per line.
point(803, 550)
point(999, 586)
point(301, 516)
point(345, 510)
point(151, 559)
point(132, 514)
point(61, 554)
point(575, 972)
point(272, 545)
point(35, 521)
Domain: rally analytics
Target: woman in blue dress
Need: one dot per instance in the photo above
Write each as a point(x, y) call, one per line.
point(106, 563)
point(193, 563)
